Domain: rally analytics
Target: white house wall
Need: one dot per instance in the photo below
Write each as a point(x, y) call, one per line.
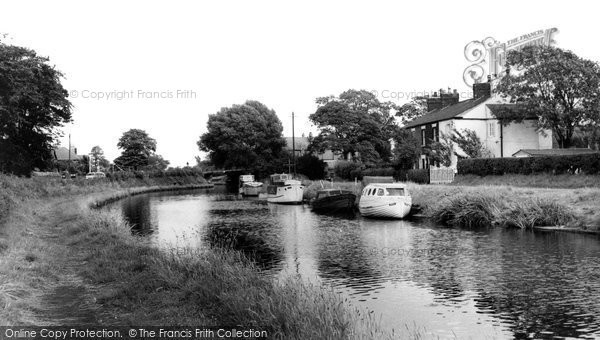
point(524, 136)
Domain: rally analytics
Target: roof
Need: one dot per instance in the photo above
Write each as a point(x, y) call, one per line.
point(446, 113)
point(301, 143)
point(556, 152)
point(387, 185)
point(62, 154)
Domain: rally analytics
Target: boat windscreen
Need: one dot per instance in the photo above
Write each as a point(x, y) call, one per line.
point(396, 191)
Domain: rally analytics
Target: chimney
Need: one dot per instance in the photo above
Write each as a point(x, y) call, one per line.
point(481, 90)
point(444, 99)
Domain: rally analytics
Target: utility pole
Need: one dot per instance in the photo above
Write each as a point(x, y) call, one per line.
point(293, 145)
point(69, 169)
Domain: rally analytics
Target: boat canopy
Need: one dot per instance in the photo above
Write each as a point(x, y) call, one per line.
point(247, 178)
point(385, 189)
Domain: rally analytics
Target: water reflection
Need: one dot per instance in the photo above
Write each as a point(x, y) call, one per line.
point(453, 283)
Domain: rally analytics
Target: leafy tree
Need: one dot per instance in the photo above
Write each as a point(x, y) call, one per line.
point(413, 109)
point(243, 136)
point(157, 162)
point(557, 86)
point(137, 148)
point(469, 142)
point(98, 159)
point(33, 103)
point(407, 149)
point(311, 166)
point(440, 151)
point(356, 123)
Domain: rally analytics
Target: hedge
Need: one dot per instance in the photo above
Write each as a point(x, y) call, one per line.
point(173, 172)
point(571, 164)
point(351, 170)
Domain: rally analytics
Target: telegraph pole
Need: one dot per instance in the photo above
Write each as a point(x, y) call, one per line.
point(69, 169)
point(293, 145)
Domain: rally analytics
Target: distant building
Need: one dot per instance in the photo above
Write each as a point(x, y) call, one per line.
point(553, 152)
point(301, 147)
point(62, 154)
point(446, 113)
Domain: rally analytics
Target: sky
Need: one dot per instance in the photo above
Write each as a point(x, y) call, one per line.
point(164, 66)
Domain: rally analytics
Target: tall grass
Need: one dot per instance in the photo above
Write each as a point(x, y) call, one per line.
point(492, 209)
point(220, 281)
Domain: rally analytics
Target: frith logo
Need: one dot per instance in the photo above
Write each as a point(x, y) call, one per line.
point(488, 56)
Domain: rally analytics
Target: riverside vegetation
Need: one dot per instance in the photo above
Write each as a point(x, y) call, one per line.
point(63, 263)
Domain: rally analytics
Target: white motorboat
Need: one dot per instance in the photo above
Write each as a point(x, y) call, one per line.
point(248, 186)
point(385, 200)
point(283, 189)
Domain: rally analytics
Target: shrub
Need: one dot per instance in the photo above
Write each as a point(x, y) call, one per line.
point(571, 164)
point(311, 166)
point(420, 176)
point(348, 170)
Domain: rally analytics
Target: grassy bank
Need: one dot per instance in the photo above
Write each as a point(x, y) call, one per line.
point(66, 264)
point(566, 181)
point(509, 206)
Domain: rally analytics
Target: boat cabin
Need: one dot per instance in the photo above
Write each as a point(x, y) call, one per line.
point(331, 192)
point(384, 191)
point(279, 179)
point(246, 178)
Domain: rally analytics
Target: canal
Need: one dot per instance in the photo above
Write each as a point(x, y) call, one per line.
point(447, 283)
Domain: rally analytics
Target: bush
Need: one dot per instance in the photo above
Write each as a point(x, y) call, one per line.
point(420, 176)
point(311, 166)
point(348, 170)
point(557, 165)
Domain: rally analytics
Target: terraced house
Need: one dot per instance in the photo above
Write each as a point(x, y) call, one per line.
point(445, 113)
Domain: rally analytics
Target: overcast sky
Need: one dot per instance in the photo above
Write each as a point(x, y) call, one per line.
point(173, 63)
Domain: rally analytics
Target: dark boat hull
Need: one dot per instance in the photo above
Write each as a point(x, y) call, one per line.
point(337, 203)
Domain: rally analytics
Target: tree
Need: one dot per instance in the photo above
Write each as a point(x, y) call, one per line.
point(356, 123)
point(157, 162)
point(243, 136)
point(311, 166)
point(33, 104)
point(406, 150)
point(559, 88)
point(97, 158)
point(440, 151)
point(469, 142)
point(413, 109)
point(137, 148)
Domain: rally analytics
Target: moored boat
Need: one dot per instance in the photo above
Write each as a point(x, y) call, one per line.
point(283, 189)
point(248, 186)
point(385, 200)
point(333, 201)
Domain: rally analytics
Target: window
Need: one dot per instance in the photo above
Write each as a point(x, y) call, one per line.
point(492, 129)
point(380, 192)
point(396, 191)
point(436, 136)
point(422, 137)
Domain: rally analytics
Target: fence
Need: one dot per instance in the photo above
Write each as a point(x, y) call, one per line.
point(441, 176)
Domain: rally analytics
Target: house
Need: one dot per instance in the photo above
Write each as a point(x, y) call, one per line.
point(62, 154)
point(446, 113)
point(300, 147)
point(553, 152)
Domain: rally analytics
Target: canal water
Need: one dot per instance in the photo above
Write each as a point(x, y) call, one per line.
point(446, 283)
